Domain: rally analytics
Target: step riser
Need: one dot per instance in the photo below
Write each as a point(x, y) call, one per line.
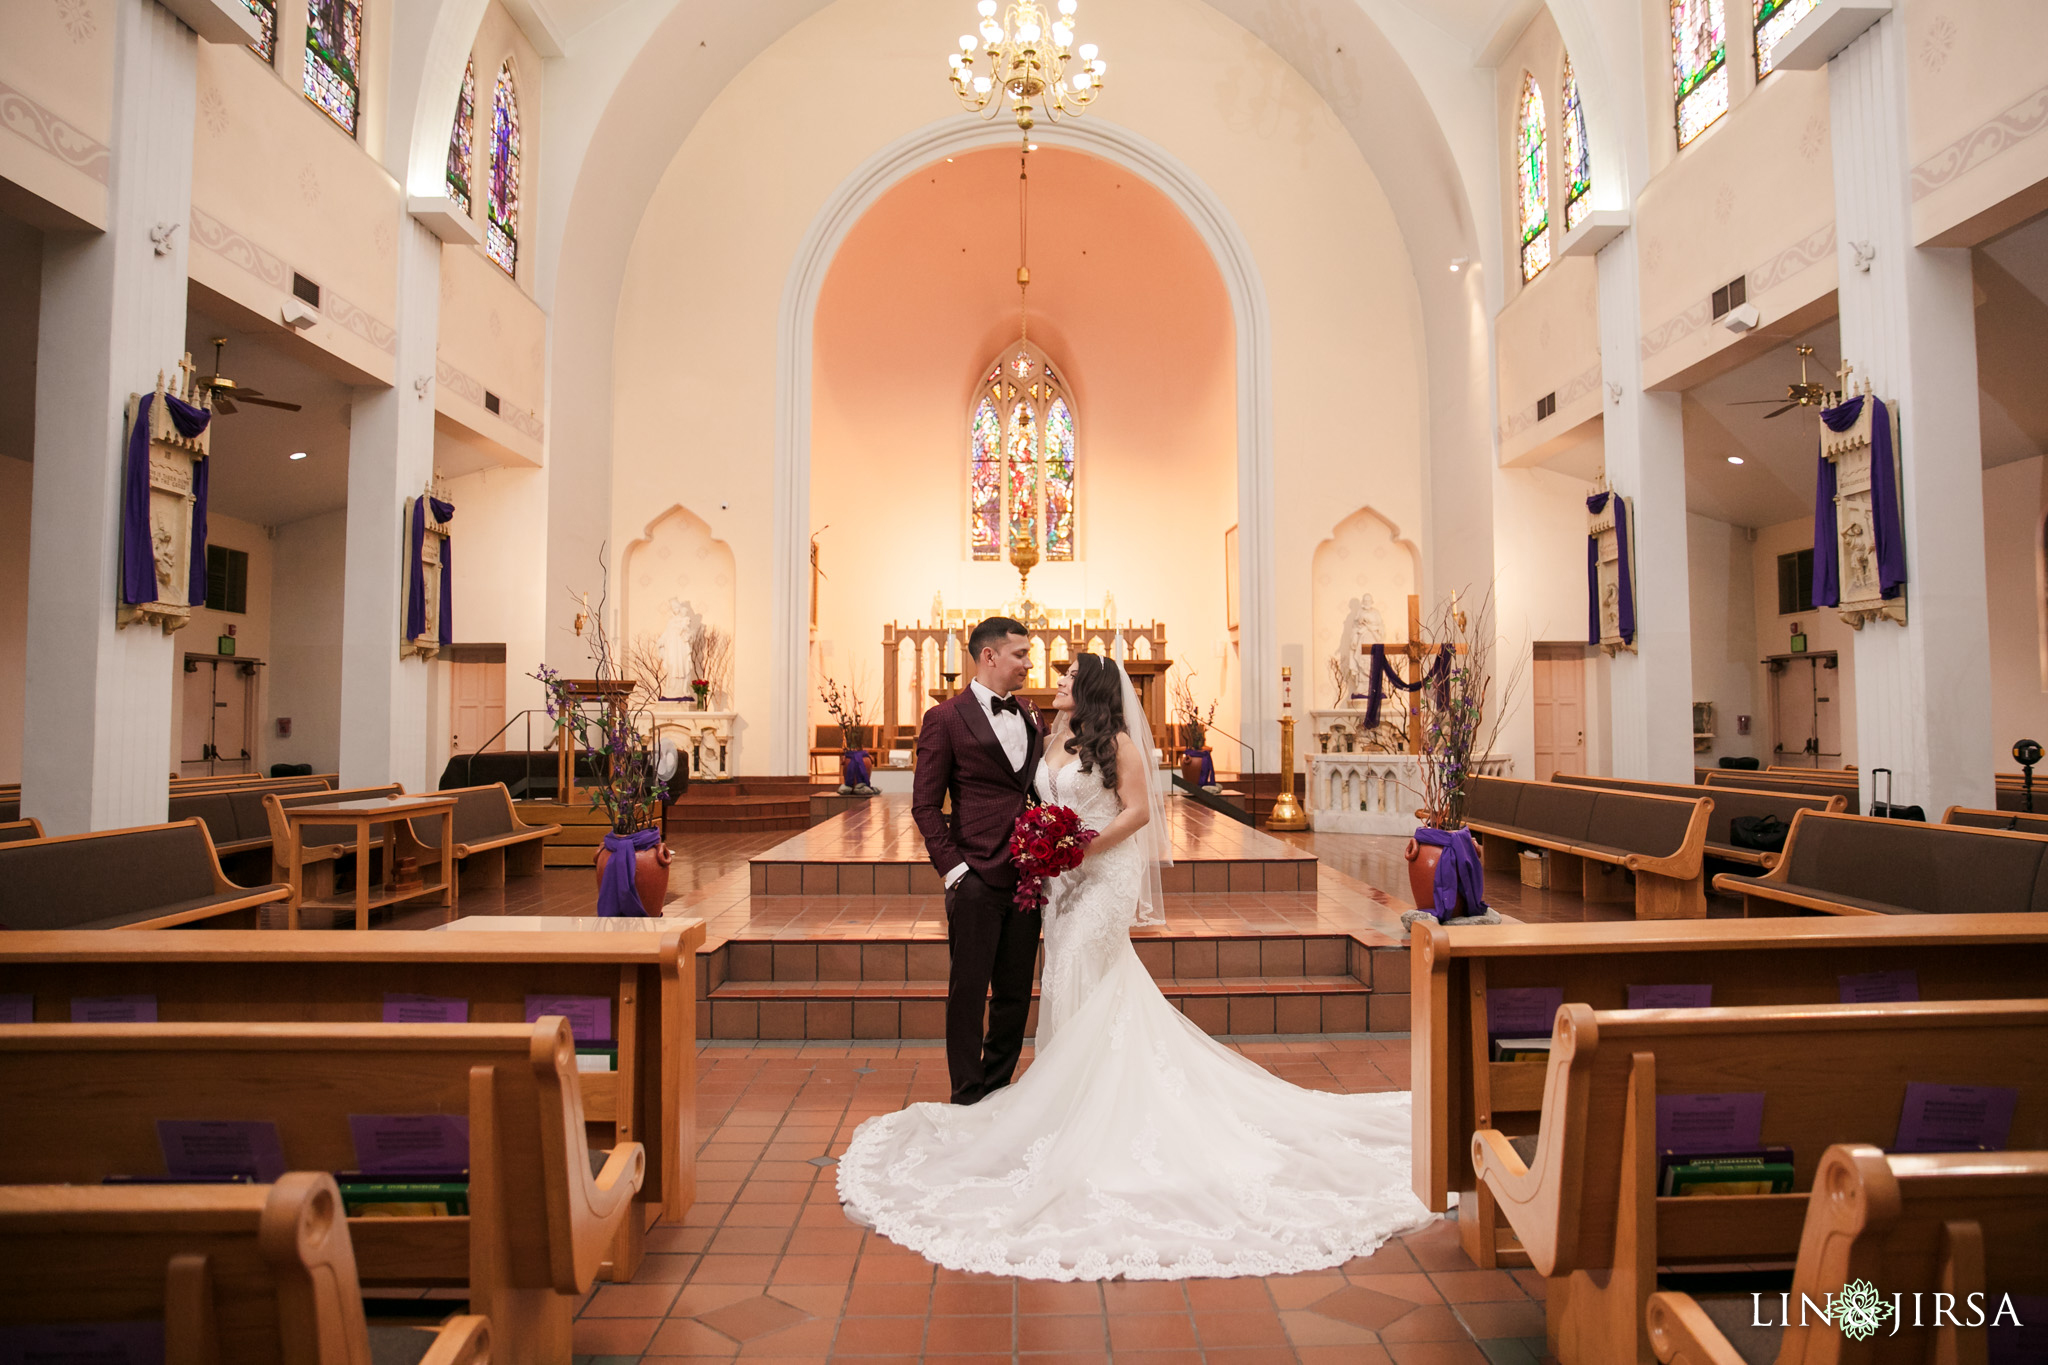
point(1292, 1015)
point(920, 879)
point(743, 962)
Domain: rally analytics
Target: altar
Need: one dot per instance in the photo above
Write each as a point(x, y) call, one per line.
point(1375, 793)
point(703, 738)
point(925, 663)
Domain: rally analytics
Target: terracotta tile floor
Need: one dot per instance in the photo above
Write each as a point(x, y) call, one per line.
point(880, 830)
point(767, 1267)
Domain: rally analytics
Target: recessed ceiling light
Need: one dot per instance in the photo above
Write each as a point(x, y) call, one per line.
point(1732, 459)
point(298, 454)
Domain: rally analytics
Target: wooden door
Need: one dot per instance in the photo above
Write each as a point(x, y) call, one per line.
point(1806, 720)
point(478, 693)
point(1559, 700)
point(197, 732)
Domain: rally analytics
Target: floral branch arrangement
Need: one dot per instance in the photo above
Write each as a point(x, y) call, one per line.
point(1187, 712)
point(843, 702)
point(1461, 718)
point(711, 656)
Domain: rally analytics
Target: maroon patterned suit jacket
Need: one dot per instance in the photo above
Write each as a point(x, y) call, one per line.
point(959, 756)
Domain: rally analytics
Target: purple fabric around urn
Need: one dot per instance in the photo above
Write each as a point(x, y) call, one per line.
point(1207, 777)
point(857, 771)
point(617, 895)
point(1624, 573)
point(1383, 673)
point(1460, 886)
point(1889, 528)
point(138, 554)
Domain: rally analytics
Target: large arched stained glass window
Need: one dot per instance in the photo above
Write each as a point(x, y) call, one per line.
point(1022, 463)
point(461, 142)
point(1699, 65)
point(1774, 19)
point(1578, 156)
point(334, 55)
point(1532, 177)
point(265, 45)
point(501, 228)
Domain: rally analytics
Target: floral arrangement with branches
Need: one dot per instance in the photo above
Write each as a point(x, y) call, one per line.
point(711, 656)
point(844, 703)
point(1461, 718)
point(1194, 722)
point(612, 723)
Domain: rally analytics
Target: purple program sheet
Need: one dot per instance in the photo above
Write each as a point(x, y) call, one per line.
point(1670, 997)
point(1873, 988)
point(410, 1143)
point(202, 1148)
point(1730, 1122)
point(1522, 1011)
point(113, 1009)
point(1955, 1118)
point(17, 1009)
point(424, 1009)
point(589, 1016)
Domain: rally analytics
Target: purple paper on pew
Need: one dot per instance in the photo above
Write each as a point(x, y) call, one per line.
point(1955, 1118)
point(113, 1009)
point(17, 1009)
point(1874, 988)
point(2021, 1343)
point(82, 1343)
point(589, 1016)
point(1670, 997)
point(424, 1009)
point(203, 1147)
point(1728, 1122)
point(410, 1144)
point(1522, 1011)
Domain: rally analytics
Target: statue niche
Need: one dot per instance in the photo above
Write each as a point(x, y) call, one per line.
point(1363, 567)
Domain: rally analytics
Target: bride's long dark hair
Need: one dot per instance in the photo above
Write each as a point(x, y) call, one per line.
point(1098, 715)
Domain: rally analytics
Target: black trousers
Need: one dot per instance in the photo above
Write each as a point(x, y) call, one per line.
point(995, 951)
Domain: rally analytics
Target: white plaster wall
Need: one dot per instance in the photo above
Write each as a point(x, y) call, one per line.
point(15, 476)
point(1724, 644)
point(1540, 595)
point(2013, 504)
point(305, 679)
point(500, 574)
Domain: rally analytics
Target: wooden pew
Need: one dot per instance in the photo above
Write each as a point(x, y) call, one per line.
point(1594, 836)
point(1722, 780)
point(1453, 970)
point(1861, 865)
point(2016, 820)
point(1957, 1224)
point(150, 877)
point(83, 1101)
point(234, 813)
point(490, 838)
point(1582, 1193)
point(231, 1274)
point(15, 831)
point(309, 976)
point(1730, 804)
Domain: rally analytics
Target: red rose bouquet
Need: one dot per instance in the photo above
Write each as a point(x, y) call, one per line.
point(1047, 841)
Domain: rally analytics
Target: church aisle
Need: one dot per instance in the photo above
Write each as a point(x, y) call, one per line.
point(767, 1267)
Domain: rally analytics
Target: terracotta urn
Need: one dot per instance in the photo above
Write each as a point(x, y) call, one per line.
point(1422, 861)
point(650, 875)
point(1191, 770)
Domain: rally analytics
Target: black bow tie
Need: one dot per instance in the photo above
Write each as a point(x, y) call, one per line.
point(997, 705)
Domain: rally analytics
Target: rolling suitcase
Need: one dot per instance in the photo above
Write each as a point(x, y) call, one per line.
point(1886, 809)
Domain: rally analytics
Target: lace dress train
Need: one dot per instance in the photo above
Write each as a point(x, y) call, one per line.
point(1133, 1145)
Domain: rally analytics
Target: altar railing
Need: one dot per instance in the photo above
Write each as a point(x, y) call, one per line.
point(1374, 793)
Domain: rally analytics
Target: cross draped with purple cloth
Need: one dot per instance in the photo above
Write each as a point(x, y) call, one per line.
point(1383, 673)
point(618, 897)
point(1624, 576)
point(138, 548)
point(1460, 887)
point(416, 587)
point(1888, 531)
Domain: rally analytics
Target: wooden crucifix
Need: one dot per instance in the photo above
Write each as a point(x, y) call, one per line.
point(1418, 653)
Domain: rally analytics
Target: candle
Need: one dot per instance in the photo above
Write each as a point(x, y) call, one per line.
point(1286, 688)
point(952, 654)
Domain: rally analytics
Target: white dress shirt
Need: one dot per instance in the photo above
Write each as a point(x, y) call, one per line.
point(1010, 731)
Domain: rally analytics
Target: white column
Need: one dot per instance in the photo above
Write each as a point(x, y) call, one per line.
point(99, 699)
point(1923, 699)
point(1650, 691)
point(384, 698)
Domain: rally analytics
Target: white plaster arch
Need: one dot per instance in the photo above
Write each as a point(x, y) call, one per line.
point(1259, 652)
point(430, 45)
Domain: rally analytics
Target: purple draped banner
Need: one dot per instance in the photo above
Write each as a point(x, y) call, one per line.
point(1623, 570)
point(138, 549)
point(1889, 530)
point(416, 577)
point(1383, 673)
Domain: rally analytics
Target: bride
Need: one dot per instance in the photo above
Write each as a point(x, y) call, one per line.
point(1133, 1145)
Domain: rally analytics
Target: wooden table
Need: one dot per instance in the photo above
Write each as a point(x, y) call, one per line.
point(392, 812)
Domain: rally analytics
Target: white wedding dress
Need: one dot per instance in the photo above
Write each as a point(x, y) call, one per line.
point(1133, 1145)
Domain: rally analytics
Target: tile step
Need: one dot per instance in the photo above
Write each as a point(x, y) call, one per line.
point(936, 990)
point(923, 1015)
point(1229, 957)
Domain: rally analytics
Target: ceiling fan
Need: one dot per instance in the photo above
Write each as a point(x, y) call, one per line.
point(226, 393)
point(1800, 395)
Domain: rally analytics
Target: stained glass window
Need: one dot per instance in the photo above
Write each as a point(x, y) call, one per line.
point(334, 53)
point(1699, 64)
point(1578, 155)
point(1021, 460)
point(501, 231)
point(985, 483)
point(1774, 19)
point(1533, 172)
point(1059, 481)
point(461, 140)
point(265, 11)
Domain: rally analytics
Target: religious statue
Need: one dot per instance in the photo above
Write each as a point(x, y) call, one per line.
point(938, 608)
point(674, 645)
point(1363, 628)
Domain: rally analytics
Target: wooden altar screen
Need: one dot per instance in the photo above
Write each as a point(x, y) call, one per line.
point(1052, 648)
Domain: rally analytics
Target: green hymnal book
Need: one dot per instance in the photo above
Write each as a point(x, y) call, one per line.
point(1521, 1049)
point(597, 1058)
point(403, 1196)
point(1695, 1175)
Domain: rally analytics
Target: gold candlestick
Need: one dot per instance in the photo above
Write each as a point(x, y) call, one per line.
point(1287, 813)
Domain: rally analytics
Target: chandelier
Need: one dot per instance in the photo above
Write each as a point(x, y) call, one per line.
point(1028, 62)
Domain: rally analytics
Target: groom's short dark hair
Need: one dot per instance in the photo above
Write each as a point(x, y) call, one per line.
point(993, 632)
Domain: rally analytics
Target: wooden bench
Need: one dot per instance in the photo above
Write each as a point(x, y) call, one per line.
point(1861, 865)
point(1724, 780)
point(1956, 1224)
point(83, 1101)
point(326, 845)
point(1730, 804)
point(16, 831)
point(1581, 1193)
point(649, 980)
point(2018, 821)
point(490, 832)
point(150, 877)
point(233, 1274)
point(234, 815)
point(1596, 836)
point(1454, 971)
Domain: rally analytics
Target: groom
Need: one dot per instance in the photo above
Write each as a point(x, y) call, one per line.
point(981, 749)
